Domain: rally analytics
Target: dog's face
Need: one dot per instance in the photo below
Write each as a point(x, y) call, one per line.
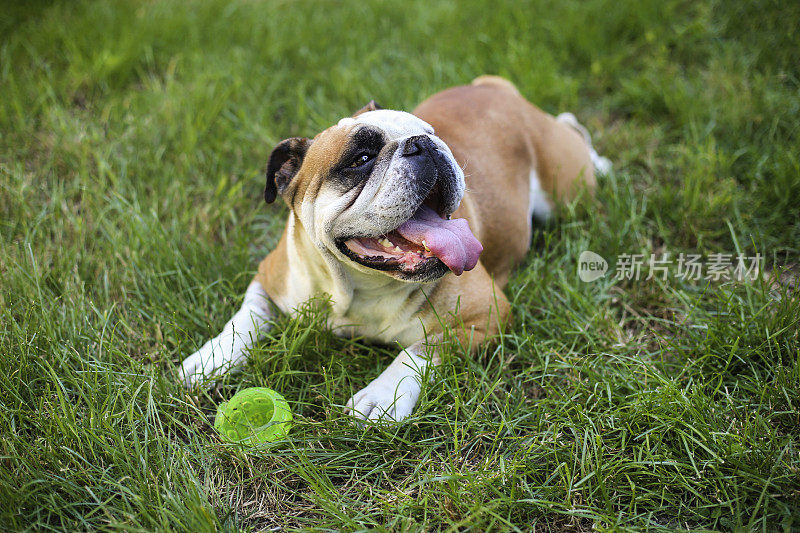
point(377, 191)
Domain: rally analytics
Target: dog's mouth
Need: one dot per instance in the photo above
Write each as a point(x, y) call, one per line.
point(429, 241)
point(391, 251)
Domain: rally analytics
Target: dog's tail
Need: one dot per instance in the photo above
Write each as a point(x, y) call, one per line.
point(488, 79)
point(602, 165)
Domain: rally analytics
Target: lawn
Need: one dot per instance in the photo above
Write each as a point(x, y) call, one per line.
point(133, 141)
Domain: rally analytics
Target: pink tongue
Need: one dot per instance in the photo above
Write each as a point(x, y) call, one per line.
point(449, 240)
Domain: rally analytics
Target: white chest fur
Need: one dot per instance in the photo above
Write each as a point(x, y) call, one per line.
point(371, 305)
point(386, 315)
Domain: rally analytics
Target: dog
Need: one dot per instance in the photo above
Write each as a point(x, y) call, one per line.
point(409, 222)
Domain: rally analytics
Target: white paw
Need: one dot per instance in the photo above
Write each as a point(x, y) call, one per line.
point(385, 399)
point(212, 360)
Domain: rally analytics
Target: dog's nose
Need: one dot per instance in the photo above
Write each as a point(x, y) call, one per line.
point(415, 145)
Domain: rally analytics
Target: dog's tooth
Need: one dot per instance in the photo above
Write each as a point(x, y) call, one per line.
point(385, 242)
point(398, 249)
point(425, 245)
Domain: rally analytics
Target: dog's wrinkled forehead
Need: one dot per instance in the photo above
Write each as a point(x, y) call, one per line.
point(396, 124)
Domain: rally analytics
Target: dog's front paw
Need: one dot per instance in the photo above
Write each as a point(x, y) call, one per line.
point(191, 369)
point(385, 399)
point(211, 360)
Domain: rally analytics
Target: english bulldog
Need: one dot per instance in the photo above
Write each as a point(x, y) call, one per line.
point(410, 222)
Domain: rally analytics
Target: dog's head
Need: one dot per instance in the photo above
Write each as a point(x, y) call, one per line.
point(377, 191)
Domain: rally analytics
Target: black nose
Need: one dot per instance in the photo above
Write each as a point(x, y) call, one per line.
point(415, 145)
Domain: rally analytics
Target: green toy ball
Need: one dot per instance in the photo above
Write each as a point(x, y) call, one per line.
point(254, 416)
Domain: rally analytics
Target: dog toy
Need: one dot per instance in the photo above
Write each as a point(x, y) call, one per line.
point(254, 416)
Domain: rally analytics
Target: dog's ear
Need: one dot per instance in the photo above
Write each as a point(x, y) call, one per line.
point(371, 106)
point(284, 162)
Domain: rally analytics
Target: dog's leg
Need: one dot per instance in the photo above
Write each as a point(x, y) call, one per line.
point(602, 165)
point(229, 348)
point(393, 394)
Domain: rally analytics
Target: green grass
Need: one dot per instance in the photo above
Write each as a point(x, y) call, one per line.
point(133, 137)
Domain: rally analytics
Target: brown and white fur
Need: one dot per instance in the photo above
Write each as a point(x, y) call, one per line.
point(495, 160)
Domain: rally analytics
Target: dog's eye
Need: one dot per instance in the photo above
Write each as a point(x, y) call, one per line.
point(361, 160)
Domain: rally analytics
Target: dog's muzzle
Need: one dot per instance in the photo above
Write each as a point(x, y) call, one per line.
point(429, 242)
